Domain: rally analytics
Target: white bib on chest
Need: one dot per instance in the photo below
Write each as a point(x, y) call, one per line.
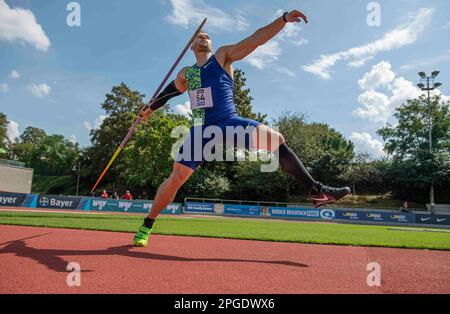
point(201, 98)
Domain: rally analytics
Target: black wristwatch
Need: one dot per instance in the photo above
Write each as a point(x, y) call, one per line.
point(284, 16)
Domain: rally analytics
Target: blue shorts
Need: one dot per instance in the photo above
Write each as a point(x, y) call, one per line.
point(201, 142)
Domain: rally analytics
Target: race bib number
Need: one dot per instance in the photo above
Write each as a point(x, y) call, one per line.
point(201, 98)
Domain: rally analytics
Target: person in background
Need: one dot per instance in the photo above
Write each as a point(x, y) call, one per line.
point(127, 196)
point(115, 196)
point(104, 194)
point(405, 209)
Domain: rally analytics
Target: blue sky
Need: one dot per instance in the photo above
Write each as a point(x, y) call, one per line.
point(337, 69)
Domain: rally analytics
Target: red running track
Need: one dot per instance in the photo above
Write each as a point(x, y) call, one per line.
point(34, 260)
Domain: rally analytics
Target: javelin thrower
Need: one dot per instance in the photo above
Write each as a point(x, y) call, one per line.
point(209, 83)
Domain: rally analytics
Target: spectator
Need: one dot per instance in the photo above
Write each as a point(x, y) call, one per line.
point(127, 196)
point(405, 208)
point(115, 196)
point(104, 194)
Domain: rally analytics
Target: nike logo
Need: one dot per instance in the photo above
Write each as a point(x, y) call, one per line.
point(424, 219)
point(323, 199)
point(441, 220)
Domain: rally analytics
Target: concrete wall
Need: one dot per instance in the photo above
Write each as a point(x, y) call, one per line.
point(15, 179)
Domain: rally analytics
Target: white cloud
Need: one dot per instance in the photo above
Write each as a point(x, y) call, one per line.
point(87, 125)
point(446, 26)
point(285, 71)
point(300, 42)
point(365, 143)
point(381, 74)
point(12, 131)
point(14, 74)
point(73, 139)
point(378, 106)
point(427, 64)
point(20, 25)
point(184, 109)
point(4, 88)
point(264, 55)
point(97, 123)
point(39, 90)
point(187, 13)
point(357, 56)
point(359, 62)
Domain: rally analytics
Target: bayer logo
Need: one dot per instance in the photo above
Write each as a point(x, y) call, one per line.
point(43, 201)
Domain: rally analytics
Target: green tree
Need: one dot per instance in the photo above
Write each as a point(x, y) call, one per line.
point(122, 106)
point(414, 168)
point(32, 135)
point(54, 155)
point(361, 170)
point(324, 151)
point(147, 159)
point(410, 136)
point(3, 136)
point(243, 100)
point(23, 149)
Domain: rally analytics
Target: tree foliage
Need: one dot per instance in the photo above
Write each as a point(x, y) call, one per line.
point(3, 136)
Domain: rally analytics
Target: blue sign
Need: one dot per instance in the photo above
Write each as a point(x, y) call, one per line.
point(375, 216)
point(58, 202)
point(302, 213)
point(244, 210)
point(100, 204)
point(433, 219)
point(199, 207)
point(12, 199)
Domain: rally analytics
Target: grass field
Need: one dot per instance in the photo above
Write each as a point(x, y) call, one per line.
point(250, 229)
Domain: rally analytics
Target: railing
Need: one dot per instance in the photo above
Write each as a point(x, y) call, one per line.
point(306, 205)
point(12, 163)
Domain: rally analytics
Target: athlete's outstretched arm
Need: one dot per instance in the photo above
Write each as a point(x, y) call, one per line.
point(175, 88)
point(242, 49)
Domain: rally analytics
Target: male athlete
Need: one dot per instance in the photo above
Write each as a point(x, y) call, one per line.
point(210, 86)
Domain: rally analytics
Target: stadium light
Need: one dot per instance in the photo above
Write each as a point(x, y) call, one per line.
point(430, 85)
point(435, 74)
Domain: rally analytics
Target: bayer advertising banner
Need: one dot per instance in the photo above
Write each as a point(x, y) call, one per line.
point(12, 199)
point(302, 213)
point(60, 202)
point(375, 216)
point(124, 206)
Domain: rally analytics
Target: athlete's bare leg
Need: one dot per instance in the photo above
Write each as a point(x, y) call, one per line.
point(168, 190)
point(265, 138)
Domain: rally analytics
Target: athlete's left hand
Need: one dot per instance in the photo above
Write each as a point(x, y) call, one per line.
point(296, 16)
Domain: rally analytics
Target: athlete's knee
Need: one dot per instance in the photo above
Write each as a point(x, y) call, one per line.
point(281, 139)
point(179, 175)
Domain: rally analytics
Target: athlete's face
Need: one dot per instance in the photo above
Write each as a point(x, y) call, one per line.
point(202, 43)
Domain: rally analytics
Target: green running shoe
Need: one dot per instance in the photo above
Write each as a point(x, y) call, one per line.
point(141, 237)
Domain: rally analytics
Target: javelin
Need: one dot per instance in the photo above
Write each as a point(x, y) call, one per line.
point(138, 120)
